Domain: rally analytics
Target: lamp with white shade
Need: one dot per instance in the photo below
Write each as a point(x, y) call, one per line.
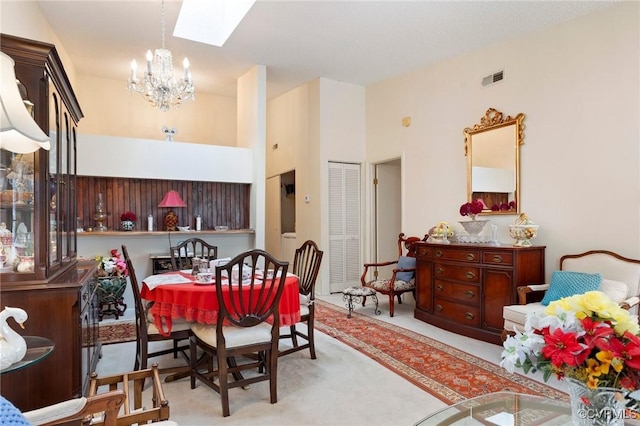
point(19, 132)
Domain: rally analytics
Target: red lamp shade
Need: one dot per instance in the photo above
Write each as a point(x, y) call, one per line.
point(171, 199)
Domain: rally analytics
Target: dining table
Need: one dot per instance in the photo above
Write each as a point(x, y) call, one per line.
point(177, 294)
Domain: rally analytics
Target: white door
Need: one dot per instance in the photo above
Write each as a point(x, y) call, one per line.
point(388, 201)
point(344, 226)
point(272, 217)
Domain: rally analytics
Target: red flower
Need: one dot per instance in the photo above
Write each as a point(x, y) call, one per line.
point(595, 331)
point(562, 348)
point(129, 216)
point(472, 208)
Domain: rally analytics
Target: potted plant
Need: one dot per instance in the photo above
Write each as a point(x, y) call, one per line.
point(128, 220)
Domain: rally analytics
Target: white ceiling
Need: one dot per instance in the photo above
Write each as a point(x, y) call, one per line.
point(360, 42)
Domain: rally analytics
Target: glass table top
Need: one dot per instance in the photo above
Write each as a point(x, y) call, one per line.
point(502, 409)
point(38, 348)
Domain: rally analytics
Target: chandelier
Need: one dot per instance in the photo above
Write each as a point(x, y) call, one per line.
point(159, 87)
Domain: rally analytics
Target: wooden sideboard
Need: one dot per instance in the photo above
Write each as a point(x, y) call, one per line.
point(463, 287)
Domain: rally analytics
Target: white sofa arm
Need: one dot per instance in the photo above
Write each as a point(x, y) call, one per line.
point(632, 301)
point(538, 287)
point(57, 411)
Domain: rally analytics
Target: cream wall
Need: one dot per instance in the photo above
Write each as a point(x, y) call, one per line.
point(578, 86)
point(111, 109)
point(108, 106)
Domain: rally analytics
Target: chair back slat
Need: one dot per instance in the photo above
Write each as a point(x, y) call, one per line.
point(306, 265)
point(180, 253)
point(255, 298)
point(141, 322)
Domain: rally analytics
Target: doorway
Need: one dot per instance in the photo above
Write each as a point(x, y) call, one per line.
point(387, 218)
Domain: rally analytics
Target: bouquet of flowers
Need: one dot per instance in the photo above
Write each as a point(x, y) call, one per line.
point(586, 337)
point(130, 216)
point(471, 208)
point(111, 266)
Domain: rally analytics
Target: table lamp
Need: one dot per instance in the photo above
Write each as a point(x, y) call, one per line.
point(171, 199)
point(19, 133)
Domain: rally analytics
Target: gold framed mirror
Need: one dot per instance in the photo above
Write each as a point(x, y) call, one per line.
point(492, 148)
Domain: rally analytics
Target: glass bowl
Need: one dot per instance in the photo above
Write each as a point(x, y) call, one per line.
point(474, 227)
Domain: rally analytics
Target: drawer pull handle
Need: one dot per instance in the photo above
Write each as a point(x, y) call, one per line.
point(470, 294)
point(497, 258)
point(470, 256)
point(439, 308)
point(438, 253)
point(470, 275)
point(439, 287)
point(469, 316)
point(439, 270)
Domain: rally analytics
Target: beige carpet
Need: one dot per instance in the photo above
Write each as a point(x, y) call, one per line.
point(341, 387)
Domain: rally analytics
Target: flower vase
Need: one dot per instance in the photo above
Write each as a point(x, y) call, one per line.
point(111, 295)
point(127, 225)
point(595, 407)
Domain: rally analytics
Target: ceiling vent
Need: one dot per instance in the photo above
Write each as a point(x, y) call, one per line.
point(493, 78)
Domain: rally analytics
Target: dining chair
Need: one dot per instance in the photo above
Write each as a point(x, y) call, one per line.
point(247, 323)
point(182, 252)
point(306, 265)
point(147, 332)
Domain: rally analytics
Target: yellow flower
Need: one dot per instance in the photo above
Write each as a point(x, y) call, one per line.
point(592, 383)
point(597, 301)
point(605, 357)
point(593, 367)
point(617, 364)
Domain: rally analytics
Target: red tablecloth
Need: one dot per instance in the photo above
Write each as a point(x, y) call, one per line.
point(199, 303)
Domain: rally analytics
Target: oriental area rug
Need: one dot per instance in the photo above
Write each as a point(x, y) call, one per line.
point(117, 331)
point(445, 372)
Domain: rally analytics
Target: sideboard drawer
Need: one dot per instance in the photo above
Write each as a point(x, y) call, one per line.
point(497, 258)
point(468, 274)
point(465, 293)
point(457, 255)
point(461, 314)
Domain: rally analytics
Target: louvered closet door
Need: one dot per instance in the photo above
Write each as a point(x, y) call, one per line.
point(344, 226)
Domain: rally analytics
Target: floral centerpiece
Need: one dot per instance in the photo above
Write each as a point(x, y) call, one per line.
point(128, 220)
point(113, 265)
point(587, 340)
point(472, 208)
point(112, 282)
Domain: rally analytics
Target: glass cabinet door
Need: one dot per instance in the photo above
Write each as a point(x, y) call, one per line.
point(53, 184)
point(16, 212)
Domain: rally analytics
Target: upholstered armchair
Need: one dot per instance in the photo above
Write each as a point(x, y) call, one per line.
point(402, 277)
point(619, 278)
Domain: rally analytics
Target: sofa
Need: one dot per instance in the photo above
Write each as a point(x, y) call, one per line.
point(620, 280)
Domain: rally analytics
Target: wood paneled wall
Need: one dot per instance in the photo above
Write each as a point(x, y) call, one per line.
point(217, 203)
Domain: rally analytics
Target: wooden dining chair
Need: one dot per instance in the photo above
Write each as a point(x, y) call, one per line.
point(402, 277)
point(182, 252)
point(306, 265)
point(147, 332)
point(247, 323)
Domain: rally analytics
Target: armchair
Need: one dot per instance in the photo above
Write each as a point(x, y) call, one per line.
point(620, 281)
point(402, 277)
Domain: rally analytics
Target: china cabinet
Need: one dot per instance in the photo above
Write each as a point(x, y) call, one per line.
point(40, 272)
point(463, 287)
point(38, 199)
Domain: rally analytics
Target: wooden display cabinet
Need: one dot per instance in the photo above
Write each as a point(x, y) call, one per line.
point(463, 287)
point(38, 207)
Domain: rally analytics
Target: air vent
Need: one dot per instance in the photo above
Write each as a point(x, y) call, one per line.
point(493, 78)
